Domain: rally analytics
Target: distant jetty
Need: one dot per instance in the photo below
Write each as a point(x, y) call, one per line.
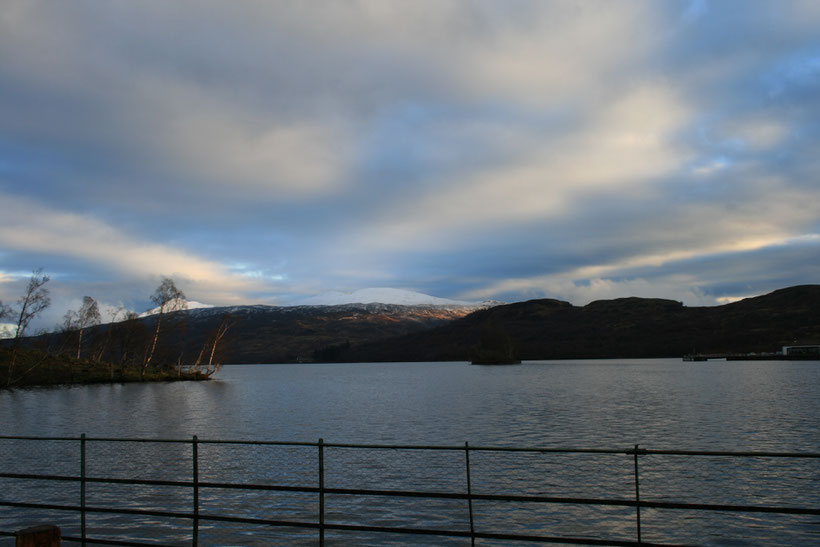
point(788, 353)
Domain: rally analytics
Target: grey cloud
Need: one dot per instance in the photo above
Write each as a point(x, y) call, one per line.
point(450, 147)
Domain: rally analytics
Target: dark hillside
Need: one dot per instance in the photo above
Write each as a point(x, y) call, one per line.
point(323, 333)
point(267, 334)
point(537, 329)
point(624, 327)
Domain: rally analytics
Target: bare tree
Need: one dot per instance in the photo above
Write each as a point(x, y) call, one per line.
point(102, 347)
point(87, 316)
point(130, 333)
point(168, 299)
point(5, 311)
point(31, 304)
point(217, 336)
point(68, 332)
point(34, 301)
point(211, 345)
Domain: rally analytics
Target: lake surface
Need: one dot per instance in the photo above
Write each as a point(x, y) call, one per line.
point(656, 403)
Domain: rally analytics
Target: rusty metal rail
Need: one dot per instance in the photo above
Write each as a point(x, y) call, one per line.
point(321, 524)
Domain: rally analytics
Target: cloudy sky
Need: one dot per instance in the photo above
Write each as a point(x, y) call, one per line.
point(262, 152)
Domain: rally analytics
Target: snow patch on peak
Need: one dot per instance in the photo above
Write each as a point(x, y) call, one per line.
point(178, 305)
point(382, 295)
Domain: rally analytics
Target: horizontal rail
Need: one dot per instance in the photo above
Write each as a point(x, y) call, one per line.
point(321, 525)
point(460, 448)
point(327, 526)
point(429, 495)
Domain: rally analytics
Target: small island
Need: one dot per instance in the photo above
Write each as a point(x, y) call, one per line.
point(35, 368)
point(147, 348)
point(494, 348)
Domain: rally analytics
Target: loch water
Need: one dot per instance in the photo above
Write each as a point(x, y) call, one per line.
point(611, 404)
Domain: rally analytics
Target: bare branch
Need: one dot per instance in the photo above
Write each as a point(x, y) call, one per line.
point(34, 301)
point(87, 316)
point(168, 298)
point(5, 311)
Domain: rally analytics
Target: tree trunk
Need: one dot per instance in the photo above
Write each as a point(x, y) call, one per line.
point(80, 344)
point(220, 333)
point(153, 346)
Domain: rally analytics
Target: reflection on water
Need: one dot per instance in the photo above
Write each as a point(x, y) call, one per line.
point(586, 404)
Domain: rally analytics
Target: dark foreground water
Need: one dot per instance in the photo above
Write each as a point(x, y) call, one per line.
point(659, 404)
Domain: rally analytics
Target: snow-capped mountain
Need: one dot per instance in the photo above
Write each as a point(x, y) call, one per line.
point(382, 295)
point(322, 328)
point(191, 305)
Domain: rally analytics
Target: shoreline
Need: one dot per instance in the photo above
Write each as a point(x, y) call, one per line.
point(36, 369)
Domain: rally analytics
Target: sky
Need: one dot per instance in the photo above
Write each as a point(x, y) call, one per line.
point(265, 152)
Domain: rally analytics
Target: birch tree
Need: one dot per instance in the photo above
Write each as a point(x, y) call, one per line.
point(131, 335)
point(217, 338)
point(168, 298)
point(68, 332)
point(102, 347)
point(5, 311)
point(33, 301)
point(211, 345)
point(87, 316)
point(31, 304)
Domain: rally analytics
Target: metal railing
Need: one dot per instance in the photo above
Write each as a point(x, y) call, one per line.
point(321, 524)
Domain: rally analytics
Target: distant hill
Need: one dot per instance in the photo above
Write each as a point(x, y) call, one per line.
point(277, 334)
point(537, 329)
point(386, 295)
point(178, 304)
point(624, 327)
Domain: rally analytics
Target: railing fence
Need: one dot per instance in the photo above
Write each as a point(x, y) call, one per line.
point(321, 525)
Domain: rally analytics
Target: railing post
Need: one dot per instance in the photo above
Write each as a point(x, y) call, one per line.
point(469, 492)
point(637, 496)
point(195, 455)
point(321, 493)
point(82, 488)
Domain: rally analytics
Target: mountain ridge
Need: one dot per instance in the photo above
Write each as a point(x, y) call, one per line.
point(540, 329)
point(378, 295)
point(382, 295)
point(628, 327)
point(276, 334)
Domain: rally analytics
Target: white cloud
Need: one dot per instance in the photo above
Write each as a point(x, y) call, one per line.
point(615, 279)
point(551, 54)
point(625, 145)
point(264, 156)
point(756, 132)
point(576, 118)
point(710, 167)
point(32, 228)
point(152, 108)
point(564, 287)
